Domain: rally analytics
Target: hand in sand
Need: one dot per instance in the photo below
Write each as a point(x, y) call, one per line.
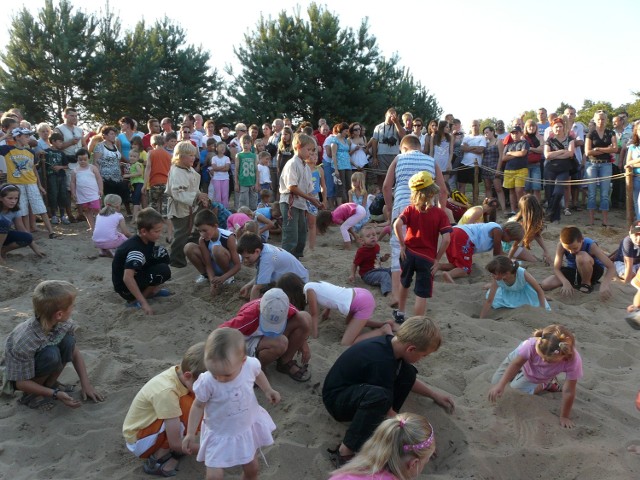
point(305, 352)
point(495, 393)
point(445, 402)
point(68, 400)
point(605, 292)
point(146, 308)
point(351, 279)
point(245, 291)
point(567, 289)
point(89, 392)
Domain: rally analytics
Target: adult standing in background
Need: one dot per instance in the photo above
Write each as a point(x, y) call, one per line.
point(73, 141)
point(473, 146)
point(385, 143)
point(153, 127)
point(123, 140)
point(576, 130)
point(599, 146)
point(107, 157)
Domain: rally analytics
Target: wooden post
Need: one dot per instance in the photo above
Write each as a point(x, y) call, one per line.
point(476, 175)
point(631, 214)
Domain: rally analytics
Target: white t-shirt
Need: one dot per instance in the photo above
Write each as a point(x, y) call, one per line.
point(220, 162)
point(265, 174)
point(578, 131)
point(203, 142)
point(331, 296)
point(106, 228)
point(473, 141)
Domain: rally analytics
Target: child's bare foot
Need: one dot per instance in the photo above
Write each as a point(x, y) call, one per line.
point(447, 278)
point(634, 449)
point(393, 303)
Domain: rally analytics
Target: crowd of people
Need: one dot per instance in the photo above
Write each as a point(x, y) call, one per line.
point(219, 199)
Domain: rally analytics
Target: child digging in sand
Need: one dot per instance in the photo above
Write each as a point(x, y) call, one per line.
point(159, 414)
point(38, 349)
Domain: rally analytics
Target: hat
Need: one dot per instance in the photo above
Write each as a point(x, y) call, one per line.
point(274, 307)
point(223, 125)
point(21, 131)
point(420, 180)
point(635, 228)
point(517, 128)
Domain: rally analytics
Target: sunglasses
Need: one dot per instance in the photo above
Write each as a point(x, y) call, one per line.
point(417, 125)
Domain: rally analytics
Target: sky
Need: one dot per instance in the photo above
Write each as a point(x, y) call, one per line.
point(491, 58)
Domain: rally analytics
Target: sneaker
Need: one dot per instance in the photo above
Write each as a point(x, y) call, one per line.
point(55, 220)
point(336, 178)
point(567, 212)
point(398, 317)
point(202, 279)
point(229, 281)
point(65, 220)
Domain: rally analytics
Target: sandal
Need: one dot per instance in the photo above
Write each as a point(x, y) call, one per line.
point(52, 236)
point(134, 304)
point(163, 292)
point(585, 288)
point(553, 386)
point(301, 375)
point(63, 387)
point(153, 466)
point(338, 460)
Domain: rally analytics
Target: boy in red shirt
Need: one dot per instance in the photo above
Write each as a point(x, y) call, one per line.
point(367, 256)
point(419, 250)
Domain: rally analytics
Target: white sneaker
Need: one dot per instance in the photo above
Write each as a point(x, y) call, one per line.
point(202, 279)
point(229, 281)
point(55, 220)
point(65, 220)
point(567, 212)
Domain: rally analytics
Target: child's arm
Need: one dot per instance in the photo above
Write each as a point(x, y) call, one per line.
point(206, 256)
point(397, 227)
point(352, 277)
point(73, 186)
point(122, 226)
point(81, 369)
point(96, 172)
point(536, 286)
point(189, 444)
point(314, 311)
point(173, 428)
point(545, 253)
point(605, 286)
point(265, 386)
point(568, 396)
point(567, 288)
point(323, 188)
point(130, 281)
point(257, 172)
point(446, 239)
point(31, 387)
point(443, 400)
point(496, 233)
point(268, 224)
point(147, 173)
point(486, 307)
point(512, 250)
point(514, 367)
point(236, 184)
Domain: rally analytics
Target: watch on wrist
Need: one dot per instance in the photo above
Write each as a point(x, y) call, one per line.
point(54, 395)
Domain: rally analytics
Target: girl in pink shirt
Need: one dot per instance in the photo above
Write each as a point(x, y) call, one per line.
point(110, 230)
point(348, 215)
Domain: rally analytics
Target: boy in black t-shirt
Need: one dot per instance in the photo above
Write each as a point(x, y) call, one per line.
point(372, 379)
point(55, 166)
point(140, 267)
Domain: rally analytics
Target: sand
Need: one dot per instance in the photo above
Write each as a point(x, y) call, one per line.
point(520, 437)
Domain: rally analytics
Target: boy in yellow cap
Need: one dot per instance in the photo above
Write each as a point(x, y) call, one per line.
point(419, 252)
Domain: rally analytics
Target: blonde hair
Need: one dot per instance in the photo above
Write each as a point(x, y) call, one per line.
point(222, 343)
point(515, 231)
point(531, 216)
point(193, 360)
point(554, 340)
point(389, 448)
point(246, 210)
point(302, 140)
point(421, 332)
point(110, 202)
point(43, 126)
point(52, 296)
point(362, 190)
point(182, 148)
point(423, 199)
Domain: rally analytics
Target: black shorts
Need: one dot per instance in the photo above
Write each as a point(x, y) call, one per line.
point(422, 268)
point(465, 174)
point(576, 280)
point(149, 277)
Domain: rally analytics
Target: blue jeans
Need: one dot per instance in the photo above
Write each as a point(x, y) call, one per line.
point(328, 179)
point(598, 170)
point(636, 196)
point(534, 174)
point(53, 358)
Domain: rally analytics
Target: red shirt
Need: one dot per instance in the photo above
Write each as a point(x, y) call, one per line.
point(365, 258)
point(247, 319)
point(423, 229)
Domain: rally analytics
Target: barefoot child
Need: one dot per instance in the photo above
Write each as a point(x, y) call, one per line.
point(110, 230)
point(12, 239)
point(586, 264)
point(367, 261)
point(235, 426)
point(159, 414)
point(86, 187)
point(533, 366)
point(38, 349)
point(398, 449)
point(357, 304)
point(139, 267)
point(371, 380)
point(419, 251)
point(348, 216)
point(511, 287)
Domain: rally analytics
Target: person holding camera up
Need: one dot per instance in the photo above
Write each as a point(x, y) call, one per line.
point(385, 143)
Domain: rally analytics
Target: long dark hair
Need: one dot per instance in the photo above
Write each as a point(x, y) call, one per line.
point(441, 133)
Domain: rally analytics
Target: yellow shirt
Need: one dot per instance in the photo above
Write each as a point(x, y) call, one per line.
point(158, 399)
point(19, 165)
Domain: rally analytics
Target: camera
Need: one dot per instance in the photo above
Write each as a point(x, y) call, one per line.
point(391, 141)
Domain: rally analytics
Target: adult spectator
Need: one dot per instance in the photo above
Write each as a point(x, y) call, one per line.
point(153, 127)
point(107, 158)
point(73, 141)
point(198, 123)
point(123, 139)
point(599, 146)
point(543, 120)
point(166, 125)
point(501, 133)
point(407, 121)
point(623, 136)
point(576, 130)
point(559, 152)
point(322, 133)
point(402, 168)
point(385, 143)
point(341, 158)
point(209, 132)
point(534, 158)
point(473, 146)
point(515, 166)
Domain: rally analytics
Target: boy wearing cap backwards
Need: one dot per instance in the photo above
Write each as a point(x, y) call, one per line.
point(516, 168)
point(275, 330)
point(419, 250)
point(21, 171)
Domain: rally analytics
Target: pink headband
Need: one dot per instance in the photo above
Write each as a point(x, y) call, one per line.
point(418, 446)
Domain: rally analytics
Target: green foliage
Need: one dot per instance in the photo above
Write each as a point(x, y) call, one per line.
point(488, 122)
point(529, 115)
point(313, 68)
point(65, 58)
point(563, 106)
point(589, 108)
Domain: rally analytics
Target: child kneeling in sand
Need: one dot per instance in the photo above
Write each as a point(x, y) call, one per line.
point(586, 264)
point(38, 349)
point(159, 414)
point(533, 366)
point(139, 267)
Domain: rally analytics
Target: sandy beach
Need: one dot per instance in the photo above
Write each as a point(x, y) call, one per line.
point(518, 438)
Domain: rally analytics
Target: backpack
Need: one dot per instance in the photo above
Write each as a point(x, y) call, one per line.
point(377, 204)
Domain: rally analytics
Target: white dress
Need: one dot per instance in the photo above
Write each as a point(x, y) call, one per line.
point(234, 425)
point(87, 189)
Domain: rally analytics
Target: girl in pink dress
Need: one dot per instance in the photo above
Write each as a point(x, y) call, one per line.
point(348, 215)
point(235, 427)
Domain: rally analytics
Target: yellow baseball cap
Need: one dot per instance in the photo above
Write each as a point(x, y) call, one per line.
point(420, 180)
